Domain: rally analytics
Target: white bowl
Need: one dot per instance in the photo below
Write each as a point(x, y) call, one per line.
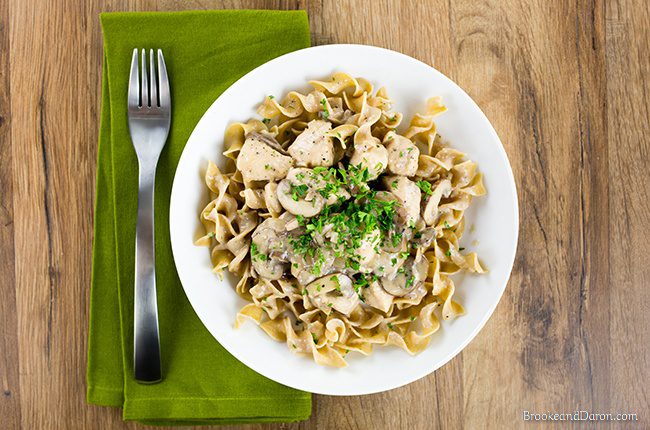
point(495, 218)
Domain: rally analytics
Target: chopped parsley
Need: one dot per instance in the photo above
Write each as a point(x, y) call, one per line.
point(461, 249)
point(448, 253)
point(390, 326)
point(256, 255)
point(425, 187)
point(268, 167)
point(326, 112)
point(358, 221)
point(298, 191)
point(447, 225)
point(266, 121)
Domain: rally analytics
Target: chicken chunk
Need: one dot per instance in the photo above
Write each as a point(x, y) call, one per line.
point(402, 155)
point(312, 147)
point(259, 161)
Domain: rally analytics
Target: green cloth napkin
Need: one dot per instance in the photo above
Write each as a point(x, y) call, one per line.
point(205, 53)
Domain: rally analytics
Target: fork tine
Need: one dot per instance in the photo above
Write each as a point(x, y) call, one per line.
point(145, 83)
point(163, 82)
point(153, 81)
point(134, 82)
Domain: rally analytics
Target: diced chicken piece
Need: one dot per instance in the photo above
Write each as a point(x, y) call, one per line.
point(371, 154)
point(408, 194)
point(335, 292)
point(312, 147)
point(377, 297)
point(402, 155)
point(259, 161)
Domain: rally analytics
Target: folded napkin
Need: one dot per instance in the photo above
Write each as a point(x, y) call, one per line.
point(205, 52)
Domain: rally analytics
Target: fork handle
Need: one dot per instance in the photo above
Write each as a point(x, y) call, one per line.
point(147, 367)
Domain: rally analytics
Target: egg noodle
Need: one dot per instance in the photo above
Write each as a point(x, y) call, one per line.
point(342, 231)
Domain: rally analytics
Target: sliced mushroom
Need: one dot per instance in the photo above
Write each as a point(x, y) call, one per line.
point(335, 292)
point(402, 154)
point(269, 140)
point(298, 192)
point(404, 281)
point(377, 297)
point(430, 209)
point(408, 194)
point(259, 161)
point(425, 238)
point(269, 242)
point(271, 198)
point(312, 147)
point(371, 154)
point(388, 262)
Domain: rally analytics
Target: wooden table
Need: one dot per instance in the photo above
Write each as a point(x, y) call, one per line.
point(565, 86)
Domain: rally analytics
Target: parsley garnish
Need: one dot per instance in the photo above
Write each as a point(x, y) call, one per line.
point(326, 112)
point(363, 217)
point(298, 191)
point(425, 186)
point(257, 255)
point(266, 120)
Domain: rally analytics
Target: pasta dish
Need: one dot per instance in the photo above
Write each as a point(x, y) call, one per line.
point(342, 230)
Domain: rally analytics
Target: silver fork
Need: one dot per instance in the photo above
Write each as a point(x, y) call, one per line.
point(149, 119)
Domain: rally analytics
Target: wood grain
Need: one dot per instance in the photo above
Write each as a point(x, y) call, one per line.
point(564, 84)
